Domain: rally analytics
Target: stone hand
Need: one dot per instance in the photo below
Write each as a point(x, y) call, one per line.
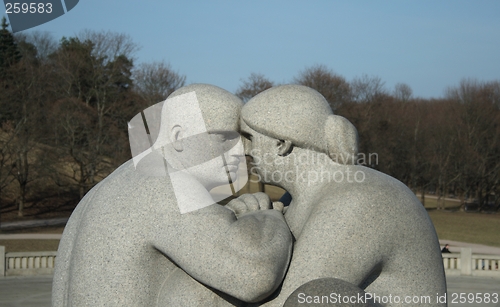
point(250, 202)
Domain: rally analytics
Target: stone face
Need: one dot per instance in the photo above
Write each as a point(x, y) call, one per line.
point(128, 243)
point(350, 222)
point(301, 115)
point(285, 114)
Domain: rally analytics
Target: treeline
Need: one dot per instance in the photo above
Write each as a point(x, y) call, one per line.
point(447, 147)
point(64, 108)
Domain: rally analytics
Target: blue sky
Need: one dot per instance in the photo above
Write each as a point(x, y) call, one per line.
point(429, 45)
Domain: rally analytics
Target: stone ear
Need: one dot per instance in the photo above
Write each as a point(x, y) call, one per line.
point(284, 147)
point(341, 140)
point(176, 135)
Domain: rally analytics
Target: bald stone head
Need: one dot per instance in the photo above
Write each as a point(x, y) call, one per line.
point(220, 109)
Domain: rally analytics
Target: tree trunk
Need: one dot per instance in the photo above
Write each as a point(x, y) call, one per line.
point(422, 197)
point(20, 211)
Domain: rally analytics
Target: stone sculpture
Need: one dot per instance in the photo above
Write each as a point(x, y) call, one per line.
point(350, 223)
point(141, 238)
point(151, 234)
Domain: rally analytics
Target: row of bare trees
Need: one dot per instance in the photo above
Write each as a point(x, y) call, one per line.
point(64, 108)
point(448, 146)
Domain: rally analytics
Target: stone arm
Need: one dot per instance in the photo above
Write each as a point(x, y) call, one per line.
point(334, 243)
point(246, 258)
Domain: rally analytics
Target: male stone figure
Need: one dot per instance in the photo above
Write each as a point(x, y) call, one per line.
point(135, 237)
point(350, 222)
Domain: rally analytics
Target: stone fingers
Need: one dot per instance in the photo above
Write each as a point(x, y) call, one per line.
point(237, 206)
point(263, 199)
point(251, 202)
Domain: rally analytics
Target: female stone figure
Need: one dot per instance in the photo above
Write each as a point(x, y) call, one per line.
point(350, 222)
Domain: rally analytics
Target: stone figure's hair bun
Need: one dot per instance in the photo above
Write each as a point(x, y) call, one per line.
point(341, 140)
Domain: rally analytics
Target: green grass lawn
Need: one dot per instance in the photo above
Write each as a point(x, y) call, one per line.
point(27, 245)
point(477, 228)
point(456, 225)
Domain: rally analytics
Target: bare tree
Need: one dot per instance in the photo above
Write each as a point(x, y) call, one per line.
point(155, 81)
point(333, 87)
point(366, 88)
point(41, 43)
point(253, 85)
point(493, 93)
point(76, 127)
point(22, 100)
point(109, 45)
point(478, 135)
point(95, 69)
point(6, 156)
point(402, 91)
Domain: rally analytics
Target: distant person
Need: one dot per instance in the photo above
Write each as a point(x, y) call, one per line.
point(445, 249)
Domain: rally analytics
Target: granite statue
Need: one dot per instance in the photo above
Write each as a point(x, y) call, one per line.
point(350, 223)
point(151, 234)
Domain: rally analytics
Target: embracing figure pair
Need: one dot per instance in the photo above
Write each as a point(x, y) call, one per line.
point(152, 234)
